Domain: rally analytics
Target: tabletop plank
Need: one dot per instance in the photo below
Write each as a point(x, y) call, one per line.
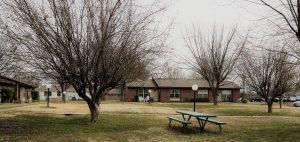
point(195, 114)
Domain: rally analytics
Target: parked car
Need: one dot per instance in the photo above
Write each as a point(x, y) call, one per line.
point(285, 99)
point(292, 98)
point(72, 98)
point(297, 98)
point(296, 104)
point(256, 98)
point(276, 99)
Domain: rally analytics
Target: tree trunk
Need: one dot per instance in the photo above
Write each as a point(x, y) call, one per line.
point(94, 109)
point(63, 95)
point(270, 104)
point(215, 96)
point(215, 100)
point(280, 101)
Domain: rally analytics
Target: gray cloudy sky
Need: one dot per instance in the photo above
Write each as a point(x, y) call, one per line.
point(204, 14)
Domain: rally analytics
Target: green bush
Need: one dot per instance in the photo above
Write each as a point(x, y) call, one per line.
point(186, 99)
point(35, 95)
point(244, 101)
point(6, 95)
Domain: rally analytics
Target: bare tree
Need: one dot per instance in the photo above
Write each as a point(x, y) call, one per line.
point(169, 71)
point(286, 15)
point(194, 75)
point(269, 74)
point(8, 60)
point(214, 56)
point(93, 45)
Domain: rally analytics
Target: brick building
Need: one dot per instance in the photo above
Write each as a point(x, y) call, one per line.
point(179, 90)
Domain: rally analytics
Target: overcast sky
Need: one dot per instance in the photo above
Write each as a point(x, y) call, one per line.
point(204, 14)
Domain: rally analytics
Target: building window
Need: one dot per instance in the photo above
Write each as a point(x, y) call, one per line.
point(174, 95)
point(226, 95)
point(143, 92)
point(203, 94)
point(58, 93)
point(45, 93)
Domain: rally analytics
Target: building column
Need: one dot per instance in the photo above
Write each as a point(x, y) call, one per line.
point(17, 92)
point(27, 96)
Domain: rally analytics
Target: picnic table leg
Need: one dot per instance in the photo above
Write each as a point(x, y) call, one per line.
point(170, 122)
point(202, 124)
point(189, 118)
point(183, 116)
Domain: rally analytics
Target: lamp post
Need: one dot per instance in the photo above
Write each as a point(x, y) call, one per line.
point(149, 91)
point(48, 97)
point(0, 95)
point(194, 88)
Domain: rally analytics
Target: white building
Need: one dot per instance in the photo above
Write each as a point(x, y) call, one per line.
point(54, 93)
point(71, 94)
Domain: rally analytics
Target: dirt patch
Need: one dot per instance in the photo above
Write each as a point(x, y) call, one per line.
point(54, 108)
point(134, 108)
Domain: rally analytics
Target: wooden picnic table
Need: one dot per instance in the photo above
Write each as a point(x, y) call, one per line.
point(202, 118)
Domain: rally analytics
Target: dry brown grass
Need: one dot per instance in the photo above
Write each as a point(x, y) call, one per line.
point(81, 107)
point(121, 121)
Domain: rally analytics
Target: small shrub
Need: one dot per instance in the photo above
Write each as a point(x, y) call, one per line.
point(244, 101)
point(6, 95)
point(35, 95)
point(136, 98)
point(186, 99)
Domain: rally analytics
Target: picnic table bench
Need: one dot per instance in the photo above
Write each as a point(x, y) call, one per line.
point(183, 122)
point(215, 122)
point(202, 119)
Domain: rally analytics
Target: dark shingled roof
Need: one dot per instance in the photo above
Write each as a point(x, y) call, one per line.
point(10, 81)
point(56, 88)
point(142, 83)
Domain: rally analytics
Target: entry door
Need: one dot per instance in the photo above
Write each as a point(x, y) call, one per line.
point(219, 97)
point(226, 95)
point(154, 94)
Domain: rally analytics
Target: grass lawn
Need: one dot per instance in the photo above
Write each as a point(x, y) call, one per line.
point(143, 122)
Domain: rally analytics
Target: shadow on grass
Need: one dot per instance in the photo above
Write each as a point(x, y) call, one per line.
point(271, 131)
point(193, 130)
point(59, 128)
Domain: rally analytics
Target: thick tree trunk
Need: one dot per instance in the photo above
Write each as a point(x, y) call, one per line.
point(94, 109)
point(270, 104)
point(215, 96)
point(63, 97)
